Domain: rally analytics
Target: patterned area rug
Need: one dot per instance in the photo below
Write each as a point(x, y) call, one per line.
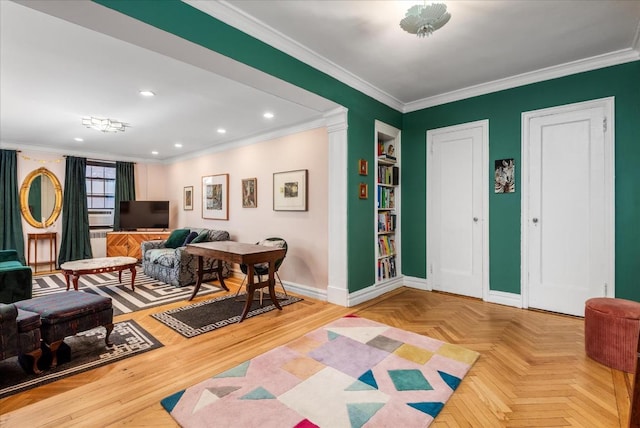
point(148, 294)
point(352, 372)
point(201, 317)
point(84, 351)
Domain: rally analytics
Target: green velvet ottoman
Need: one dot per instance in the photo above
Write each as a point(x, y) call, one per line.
point(65, 314)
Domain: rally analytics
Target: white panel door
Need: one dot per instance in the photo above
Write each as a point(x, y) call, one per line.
point(568, 223)
point(455, 209)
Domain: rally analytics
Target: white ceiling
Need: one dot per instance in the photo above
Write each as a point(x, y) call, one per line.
point(53, 72)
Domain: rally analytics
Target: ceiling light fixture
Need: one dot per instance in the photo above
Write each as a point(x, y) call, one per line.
point(268, 115)
point(178, 145)
point(222, 131)
point(424, 20)
point(147, 93)
point(154, 152)
point(104, 125)
point(79, 140)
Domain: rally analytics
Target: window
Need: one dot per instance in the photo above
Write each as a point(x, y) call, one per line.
point(101, 186)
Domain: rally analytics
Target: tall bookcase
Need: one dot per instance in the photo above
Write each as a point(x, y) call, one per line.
point(387, 221)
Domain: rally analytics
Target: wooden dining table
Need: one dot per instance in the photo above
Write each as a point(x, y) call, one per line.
point(241, 253)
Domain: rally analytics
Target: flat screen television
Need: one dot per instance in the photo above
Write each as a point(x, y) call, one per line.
point(144, 215)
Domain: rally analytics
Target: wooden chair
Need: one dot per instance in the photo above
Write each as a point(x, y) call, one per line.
point(634, 414)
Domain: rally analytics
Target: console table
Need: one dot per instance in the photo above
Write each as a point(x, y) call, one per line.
point(52, 238)
point(128, 243)
point(245, 254)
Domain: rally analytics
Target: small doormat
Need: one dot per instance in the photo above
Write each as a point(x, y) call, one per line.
point(352, 372)
point(210, 315)
point(88, 351)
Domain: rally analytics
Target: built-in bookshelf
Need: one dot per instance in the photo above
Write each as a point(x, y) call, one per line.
point(387, 224)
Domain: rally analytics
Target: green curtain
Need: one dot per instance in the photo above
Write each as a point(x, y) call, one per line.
point(11, 236)
point(125, 188)
point(76, 243)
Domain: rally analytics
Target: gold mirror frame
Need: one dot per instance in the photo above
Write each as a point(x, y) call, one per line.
point(24, 198)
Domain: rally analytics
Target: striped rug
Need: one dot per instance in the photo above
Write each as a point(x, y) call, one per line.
point(148, 294)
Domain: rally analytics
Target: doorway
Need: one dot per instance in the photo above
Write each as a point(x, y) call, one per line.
point(567, 206)
point(457, 209)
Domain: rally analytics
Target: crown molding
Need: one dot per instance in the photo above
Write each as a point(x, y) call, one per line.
point(11, 145)
point(260, 138)
point(588, 64)
point(257, 29)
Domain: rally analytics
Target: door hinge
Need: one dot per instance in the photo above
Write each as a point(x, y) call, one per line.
point(604, 124)
point(431, 148)
point(431, 268)
point(606, 289)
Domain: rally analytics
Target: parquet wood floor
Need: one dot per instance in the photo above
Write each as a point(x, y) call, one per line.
point(532, 371)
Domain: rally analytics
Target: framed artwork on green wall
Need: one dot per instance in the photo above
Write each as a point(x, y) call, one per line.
point(505, 181)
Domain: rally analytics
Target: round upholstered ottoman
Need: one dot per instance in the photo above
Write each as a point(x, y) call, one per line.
point(611, 329)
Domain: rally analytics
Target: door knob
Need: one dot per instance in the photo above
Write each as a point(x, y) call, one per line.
point(475, 219)
point(535, 219)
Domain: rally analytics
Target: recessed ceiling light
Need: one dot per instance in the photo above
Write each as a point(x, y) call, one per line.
point(268, 115)
point(147, 93)
point(178, 145)
point(78, 139)
point(222, 131)
point(154, 152)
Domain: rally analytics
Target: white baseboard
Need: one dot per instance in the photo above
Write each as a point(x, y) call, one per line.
point(504, 298)
point(373, 291)
point(419, 283)
point(304, 290)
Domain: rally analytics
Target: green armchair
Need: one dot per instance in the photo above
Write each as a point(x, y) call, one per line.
point(15, 278)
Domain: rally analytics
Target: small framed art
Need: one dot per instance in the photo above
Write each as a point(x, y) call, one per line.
point(290, 190)
point(188, 198)
point(364, 191)
point(215, 197)
point(363, 167)
point(249, 193)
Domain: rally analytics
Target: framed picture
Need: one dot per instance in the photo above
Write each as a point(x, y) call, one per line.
point(364, 191)
point(290, 190)
point(187, 202)
point(363, 167)
point(505, 180)
point(215, 197)
point(249, 193)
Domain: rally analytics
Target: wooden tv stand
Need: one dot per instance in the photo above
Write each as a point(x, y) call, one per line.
point(127, 244)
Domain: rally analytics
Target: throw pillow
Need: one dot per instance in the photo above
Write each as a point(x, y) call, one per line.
point(190, 237)
point(176, 238)
point(202, 237)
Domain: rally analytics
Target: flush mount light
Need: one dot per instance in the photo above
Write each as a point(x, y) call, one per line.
point(104, 125)
point(154, 152)
point(222, 131)
point(178, 145)
point(268, 115)
point(78, 139)
point(147, 93)
point(423, 20)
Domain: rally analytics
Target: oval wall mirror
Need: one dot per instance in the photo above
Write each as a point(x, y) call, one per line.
point(41, 198)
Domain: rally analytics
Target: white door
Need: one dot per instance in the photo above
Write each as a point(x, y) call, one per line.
point(456, 208)
point(569, 206)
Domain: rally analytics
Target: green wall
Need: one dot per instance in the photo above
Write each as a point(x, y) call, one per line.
point(191, 24)
point(503, 110)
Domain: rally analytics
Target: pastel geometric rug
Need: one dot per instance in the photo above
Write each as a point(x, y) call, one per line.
point(79, 353)
point(352, 372)
point(149, 292)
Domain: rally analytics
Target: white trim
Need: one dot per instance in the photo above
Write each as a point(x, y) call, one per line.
point(304, 290)
point(231, 15)
point(374, 291)
point(609, 159)
point(504, 298)
point(337, 289)
point(237, 18)
point(484, 124)
point(593, 63)
point(415, 282)
point(270, 135)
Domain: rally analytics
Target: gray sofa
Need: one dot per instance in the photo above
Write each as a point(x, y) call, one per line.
point(174, 265)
